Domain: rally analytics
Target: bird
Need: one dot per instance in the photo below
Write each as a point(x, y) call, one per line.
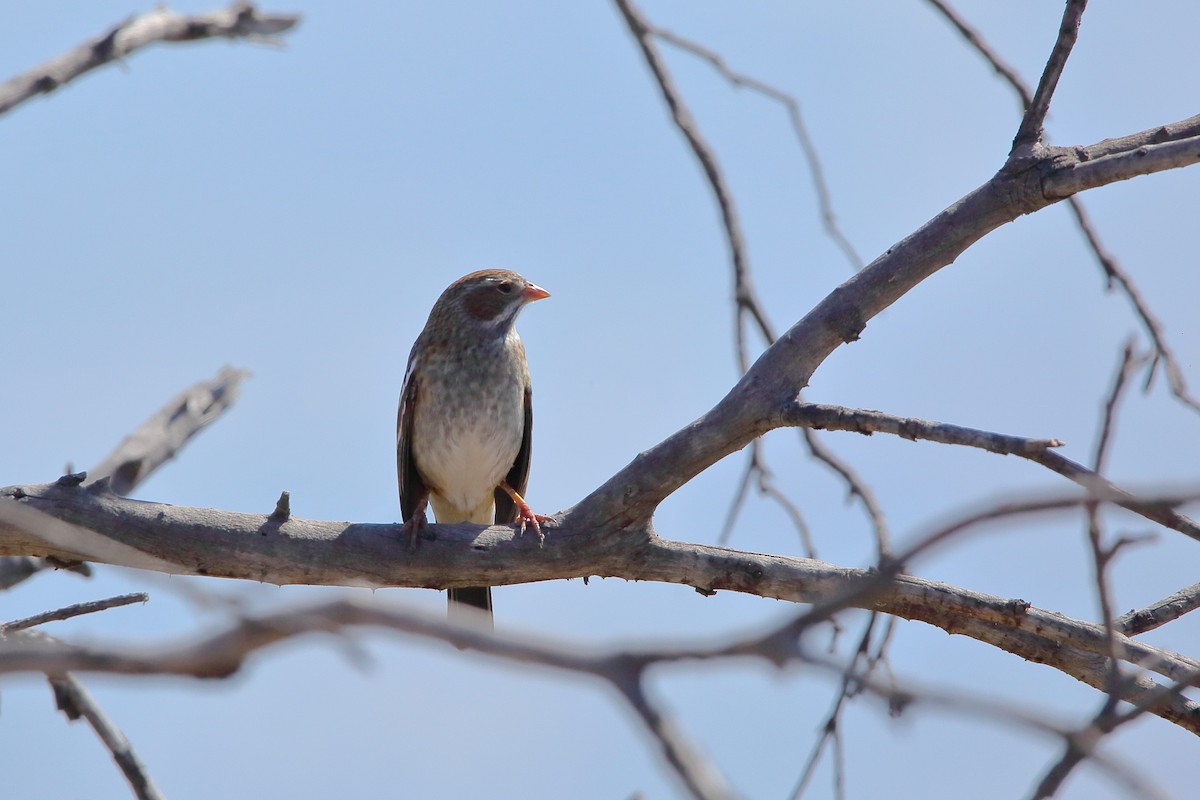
point(465, 421)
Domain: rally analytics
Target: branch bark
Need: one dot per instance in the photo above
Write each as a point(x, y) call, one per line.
point(765, 393)
point(225, 544)
point(163, 435)
point(240, 21)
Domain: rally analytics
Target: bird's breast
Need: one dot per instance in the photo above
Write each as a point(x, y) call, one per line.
point(467, 430)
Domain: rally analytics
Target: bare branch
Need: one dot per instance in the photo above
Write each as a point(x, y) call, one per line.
point(1030, 132)
point(222, 653)
point(976, 40)
point(771, 384)
point(1101, 557)
point(156, 441)
point(1116, 274)
point(1171, 132)
point(858, 488)
point(239, 21)
point(1121, 166)
point(1129, 362)
point(746, 298)
point(758, 472)
point(816, 171)
point(1160, 613)
point(1113, 271)
point(643, 34)
point(830, 417)
point(75, 701)
point(219, 543)
point(163, 435)
point(700, 777)
point(831, 729)
point(76, 610)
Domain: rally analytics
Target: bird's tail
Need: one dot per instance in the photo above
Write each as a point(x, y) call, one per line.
point(467, 602)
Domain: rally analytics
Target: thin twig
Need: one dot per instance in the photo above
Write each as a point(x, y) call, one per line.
point(76, 610)
point(1080, 747)
point(815, 169)
point(831, 728)
point(758, 471)
point(857, 488)
point(1129, 362)
point(1040, 451)
point(976, 40)
point(1116, 275)
point(643, 34)
point(1101, 556)
point(696, 772)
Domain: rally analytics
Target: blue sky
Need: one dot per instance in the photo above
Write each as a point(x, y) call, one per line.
point(296, 211)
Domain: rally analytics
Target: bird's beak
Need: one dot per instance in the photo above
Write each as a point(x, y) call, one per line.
point(534, 292)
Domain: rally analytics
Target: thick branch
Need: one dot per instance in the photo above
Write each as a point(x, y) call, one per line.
point(220, 543)
point(156, 441)
point(769, 387)
point(1113, 270)
point(239, 21)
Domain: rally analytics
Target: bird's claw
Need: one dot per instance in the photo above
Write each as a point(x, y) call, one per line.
point(525, 515)
point(414, 526)
point(527, 518)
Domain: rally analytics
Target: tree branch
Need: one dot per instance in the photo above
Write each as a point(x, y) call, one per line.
point(1160, 613)
point(976, 40)
point(156, 441)
point(76, 701)
point(163, 435)
point(829, 417)
point(807, 146)
point(1113, 271)
point(1030, 132)
point(76, 610)
point(1119, 166)
point(220, 543)
point(239, 21)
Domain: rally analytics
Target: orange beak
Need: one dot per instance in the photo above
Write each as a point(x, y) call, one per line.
point(534, 292)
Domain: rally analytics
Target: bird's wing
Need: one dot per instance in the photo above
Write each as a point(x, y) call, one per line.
point(412, 489)
point(518, 476)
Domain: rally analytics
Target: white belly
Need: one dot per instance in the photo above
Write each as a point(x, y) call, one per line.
point(463, 463)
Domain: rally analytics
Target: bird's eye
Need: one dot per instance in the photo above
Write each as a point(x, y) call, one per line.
point(504, 287)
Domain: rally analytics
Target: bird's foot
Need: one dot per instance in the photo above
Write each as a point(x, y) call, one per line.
point(525, 515)
point(414, 526)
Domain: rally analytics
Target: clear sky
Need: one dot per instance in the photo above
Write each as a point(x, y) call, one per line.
point(296, 212)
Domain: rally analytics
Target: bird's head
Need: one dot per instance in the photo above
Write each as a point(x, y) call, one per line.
point(489, 299)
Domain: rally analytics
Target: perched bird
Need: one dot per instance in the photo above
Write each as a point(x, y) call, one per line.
point(466, 413)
